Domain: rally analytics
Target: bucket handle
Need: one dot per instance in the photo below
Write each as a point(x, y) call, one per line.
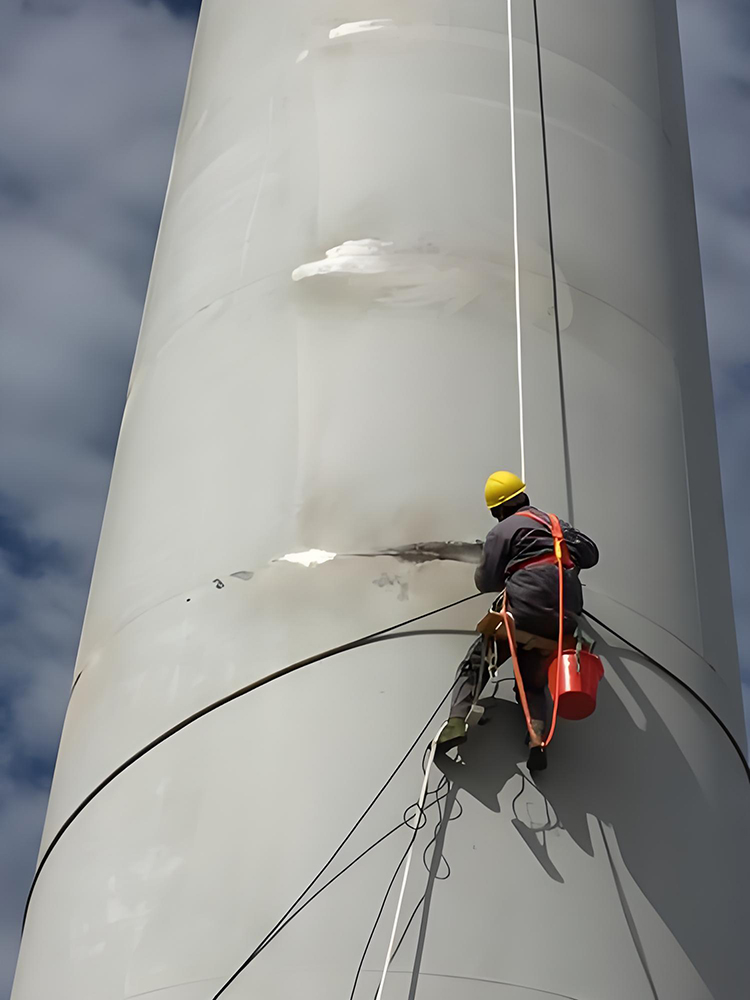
point(579, 646)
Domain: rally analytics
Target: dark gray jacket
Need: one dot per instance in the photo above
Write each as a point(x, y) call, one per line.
point(533, 593)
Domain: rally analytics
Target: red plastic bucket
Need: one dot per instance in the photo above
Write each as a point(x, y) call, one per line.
point(577, 686)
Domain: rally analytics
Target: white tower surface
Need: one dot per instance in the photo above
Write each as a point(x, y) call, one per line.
point(328, 361)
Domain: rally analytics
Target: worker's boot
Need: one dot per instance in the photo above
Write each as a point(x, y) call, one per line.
point(537, 754)
point(453, 734)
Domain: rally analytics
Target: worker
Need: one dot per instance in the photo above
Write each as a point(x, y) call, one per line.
point(518, 558)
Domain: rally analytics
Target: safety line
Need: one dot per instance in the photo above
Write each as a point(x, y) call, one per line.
point(292, 913)
point(662, 628)
point(516, 262)
point(374, 928)
point(405, 931)
point(682, 683)
point(553, 269)
point(409, 856)
point(382, 906)
point(178, 727)
point(289, 915)
point(563, 408)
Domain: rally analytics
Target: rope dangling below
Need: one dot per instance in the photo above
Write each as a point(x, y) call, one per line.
point(510, 631)
point(420, 814)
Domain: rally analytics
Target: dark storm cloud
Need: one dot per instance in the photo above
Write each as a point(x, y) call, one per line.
point(185, 7)
point(716, 48)
point(90, 92)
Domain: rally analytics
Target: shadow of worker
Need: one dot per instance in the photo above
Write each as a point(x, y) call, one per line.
point(495, 754)
point(489, 758)
point(630, 791)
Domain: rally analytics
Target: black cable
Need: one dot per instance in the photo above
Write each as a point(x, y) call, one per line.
point(566, 448)
point(409, 922)
point(682, 683)
point(416, 909)
point(658, 625)
point(284, 920)
point(438, 801)
point(379, 915)
point(555, 297)
point(428, 867)
point(419, 816)
point(517, 796)
point(289, 917)
point(254, 686)
point(435, 832)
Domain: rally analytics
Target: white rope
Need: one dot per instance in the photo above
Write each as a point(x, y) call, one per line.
point(516, 264)
point(420, 814)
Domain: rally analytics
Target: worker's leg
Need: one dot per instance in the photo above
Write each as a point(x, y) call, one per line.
point(533, 666)
point(470, 679)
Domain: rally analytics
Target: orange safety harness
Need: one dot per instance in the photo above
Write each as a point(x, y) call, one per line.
point(561, 558)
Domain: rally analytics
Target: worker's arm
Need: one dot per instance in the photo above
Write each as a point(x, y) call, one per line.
point(584, 552)
point(489, 575)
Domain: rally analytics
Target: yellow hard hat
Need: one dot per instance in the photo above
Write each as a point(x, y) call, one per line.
point(502, 486)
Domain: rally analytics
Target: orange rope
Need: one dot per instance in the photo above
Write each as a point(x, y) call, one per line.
point(557, 535)
point(509, 623)
point(510, 632)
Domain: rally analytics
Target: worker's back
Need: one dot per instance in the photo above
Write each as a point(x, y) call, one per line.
point(513, 559)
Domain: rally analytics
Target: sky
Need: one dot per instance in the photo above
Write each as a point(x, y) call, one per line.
point(90, 94)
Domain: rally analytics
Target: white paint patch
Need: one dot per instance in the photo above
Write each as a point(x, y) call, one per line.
point(411, 278)
point(352, 257)
point(313, 557)
point(357, 27)
point(302, 56)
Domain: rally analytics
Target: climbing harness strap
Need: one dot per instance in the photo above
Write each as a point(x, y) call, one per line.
point(510, 629)
point(546, 560)
point(563, 561)
point(559, 542)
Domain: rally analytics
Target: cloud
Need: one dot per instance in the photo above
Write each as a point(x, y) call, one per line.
point(90, 93)
point(715, 41)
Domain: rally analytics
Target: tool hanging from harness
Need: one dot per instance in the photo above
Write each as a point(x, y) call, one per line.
point(574, 674)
